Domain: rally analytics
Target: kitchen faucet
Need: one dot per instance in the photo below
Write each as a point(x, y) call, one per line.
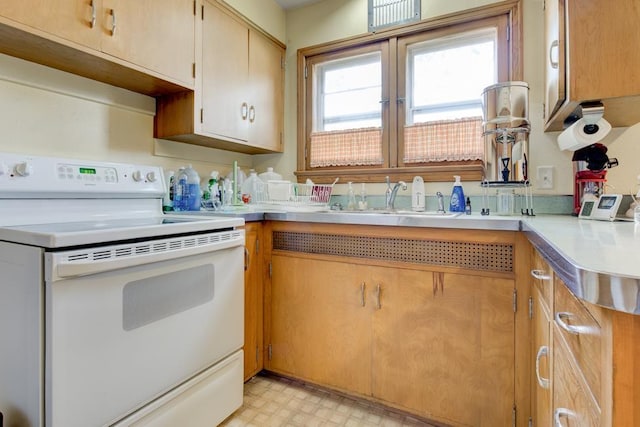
point(390, 194)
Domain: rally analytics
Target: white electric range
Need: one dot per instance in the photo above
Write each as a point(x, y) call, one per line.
point(112, 313)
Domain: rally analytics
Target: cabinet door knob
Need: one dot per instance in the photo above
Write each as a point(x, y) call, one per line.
point(542, 351)
point(554, 59)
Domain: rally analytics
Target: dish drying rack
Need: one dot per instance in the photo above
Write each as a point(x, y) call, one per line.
point(303, 197)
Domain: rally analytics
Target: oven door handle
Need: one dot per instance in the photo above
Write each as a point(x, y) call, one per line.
point(62, 265)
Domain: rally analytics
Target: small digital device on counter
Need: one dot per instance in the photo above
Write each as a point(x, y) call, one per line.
point(604, 208)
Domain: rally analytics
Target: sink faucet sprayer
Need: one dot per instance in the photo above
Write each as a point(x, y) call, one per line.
point(390, 194)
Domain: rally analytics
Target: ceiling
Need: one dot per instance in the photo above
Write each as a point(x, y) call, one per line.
point(292, 4)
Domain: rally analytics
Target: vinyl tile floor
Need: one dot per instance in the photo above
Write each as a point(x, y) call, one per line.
point(275, 402)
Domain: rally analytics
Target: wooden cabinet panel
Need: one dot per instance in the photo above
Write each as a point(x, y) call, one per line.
point(585, 343)
point(542, 355)
point(444, 348)
point(238, 104)
point(572, 402)
point(266, 82)
point(320, 331)
point(225, 72)
point(555, 56)
point(601, 60)
point(69, 20)
point(155, 34)
point(253, 301)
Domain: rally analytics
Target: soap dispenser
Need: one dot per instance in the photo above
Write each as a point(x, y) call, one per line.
point(417, 194)
point(457, 196)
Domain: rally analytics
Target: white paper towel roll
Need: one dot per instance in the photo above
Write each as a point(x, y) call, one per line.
point(574, 137)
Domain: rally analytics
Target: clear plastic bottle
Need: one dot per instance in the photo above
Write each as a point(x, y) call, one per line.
point(250, 187)
point(362, 203)
point(167, 200)
point(179, 189)
point(191, 194)
point(457, 196)
point(351, 198)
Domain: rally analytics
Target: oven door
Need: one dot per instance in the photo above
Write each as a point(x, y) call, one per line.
point(122, 331)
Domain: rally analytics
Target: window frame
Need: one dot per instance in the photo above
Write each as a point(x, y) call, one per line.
point(389, 42)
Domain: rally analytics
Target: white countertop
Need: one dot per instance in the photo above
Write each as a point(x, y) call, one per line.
point(606, 247)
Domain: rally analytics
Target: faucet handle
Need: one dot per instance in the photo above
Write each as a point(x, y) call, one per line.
point(387, 180)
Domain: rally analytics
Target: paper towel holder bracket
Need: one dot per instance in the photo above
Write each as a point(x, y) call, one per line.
point(590, 112)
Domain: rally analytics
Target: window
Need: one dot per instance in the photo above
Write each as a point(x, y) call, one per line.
point(366, 113)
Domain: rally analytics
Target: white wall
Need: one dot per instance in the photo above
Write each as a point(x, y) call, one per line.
point(334, 19)
point(49, 112)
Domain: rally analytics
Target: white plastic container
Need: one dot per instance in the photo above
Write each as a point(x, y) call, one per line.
point(270, 175)
point(417, 194)
point(253, 187)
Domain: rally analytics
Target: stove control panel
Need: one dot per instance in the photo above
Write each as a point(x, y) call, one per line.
point(27, 176)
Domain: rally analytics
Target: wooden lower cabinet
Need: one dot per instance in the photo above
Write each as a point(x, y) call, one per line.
point(253, 301)
point(438, 344)
point(320, 331)
point(447, 355)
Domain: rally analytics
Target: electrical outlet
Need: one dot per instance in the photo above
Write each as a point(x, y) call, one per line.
point(545, 177)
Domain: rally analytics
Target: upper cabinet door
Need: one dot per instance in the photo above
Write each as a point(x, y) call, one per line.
point(225, 73)
point(158, 35)
point(555, 56)
point(71, 20)
point(266, 74)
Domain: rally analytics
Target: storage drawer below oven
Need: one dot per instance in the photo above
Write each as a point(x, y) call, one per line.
point(205, 400)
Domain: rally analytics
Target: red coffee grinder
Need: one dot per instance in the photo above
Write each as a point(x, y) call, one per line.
point(590, 166)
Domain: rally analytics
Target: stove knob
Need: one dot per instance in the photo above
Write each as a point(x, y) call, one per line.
point(23, 169)
point(151, 176)
point(137, 176)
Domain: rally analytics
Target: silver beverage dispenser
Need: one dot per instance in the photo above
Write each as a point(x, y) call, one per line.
point(506, 130)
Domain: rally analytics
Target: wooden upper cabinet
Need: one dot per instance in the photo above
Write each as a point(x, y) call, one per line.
point(155, 34)
point(75, 21)
point(238, 103)
point(225, 73)
point(266, 80)
point(598, 57)
point(146, 46)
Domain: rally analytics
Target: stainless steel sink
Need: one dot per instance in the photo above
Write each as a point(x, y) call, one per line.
point(430, 214)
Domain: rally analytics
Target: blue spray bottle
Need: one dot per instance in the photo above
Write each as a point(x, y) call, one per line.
point(457, 196)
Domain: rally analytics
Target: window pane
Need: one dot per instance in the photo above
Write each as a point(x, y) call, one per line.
point(348, 93)
point(447, 76)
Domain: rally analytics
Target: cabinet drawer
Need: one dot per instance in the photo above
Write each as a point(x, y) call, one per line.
point(582, 334)
point(572, 403)
point(542, 276)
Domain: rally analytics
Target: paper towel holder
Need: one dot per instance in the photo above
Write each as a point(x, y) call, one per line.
point(585, 127)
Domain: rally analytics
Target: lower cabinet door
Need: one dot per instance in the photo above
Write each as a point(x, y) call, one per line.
point(320, 329)
point(444, 346)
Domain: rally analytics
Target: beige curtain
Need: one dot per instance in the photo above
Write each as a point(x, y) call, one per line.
point(444, 140)
point(352, 147)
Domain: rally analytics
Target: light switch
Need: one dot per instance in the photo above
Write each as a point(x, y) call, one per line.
point(544, 179)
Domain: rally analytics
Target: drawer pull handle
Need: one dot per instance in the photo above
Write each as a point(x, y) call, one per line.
point(244, 110)
point(572, 329)
point(362, 287)
point(540, 275)
point(247, 258)
point(252, 114)
point(542, 351)
point(562, 413)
